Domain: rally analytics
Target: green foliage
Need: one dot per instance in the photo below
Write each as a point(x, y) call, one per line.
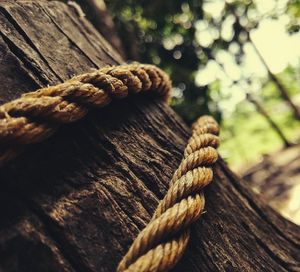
point(163, 33)
point(293, 10)
point(186, 37)
point(246, 136)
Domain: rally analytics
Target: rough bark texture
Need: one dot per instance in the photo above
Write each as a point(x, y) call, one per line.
point(76, 201)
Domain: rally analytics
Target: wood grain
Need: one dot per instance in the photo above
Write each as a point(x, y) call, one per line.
point(76, 201)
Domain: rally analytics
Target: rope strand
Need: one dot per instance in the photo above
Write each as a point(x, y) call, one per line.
point(70, 101)
point(35, 116)
point(161, 244)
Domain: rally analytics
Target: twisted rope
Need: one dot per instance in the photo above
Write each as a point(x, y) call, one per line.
point(161, 244)
point(36, 115)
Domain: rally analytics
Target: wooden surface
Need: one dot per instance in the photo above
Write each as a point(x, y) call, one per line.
point(76, 201)
point(276, 178)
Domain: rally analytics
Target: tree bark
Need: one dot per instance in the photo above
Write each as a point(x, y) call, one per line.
point(76, 201)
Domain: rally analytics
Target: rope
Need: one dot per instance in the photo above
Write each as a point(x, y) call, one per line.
point(35, 116)
point(162, 243)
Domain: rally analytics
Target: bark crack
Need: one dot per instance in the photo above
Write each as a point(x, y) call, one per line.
point(22, 32)
point(68, 36)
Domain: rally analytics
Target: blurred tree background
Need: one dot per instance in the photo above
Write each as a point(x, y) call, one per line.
point(237, 60)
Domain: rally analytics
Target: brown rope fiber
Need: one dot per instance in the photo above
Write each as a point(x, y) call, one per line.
point(36, 115)
point(161, 244)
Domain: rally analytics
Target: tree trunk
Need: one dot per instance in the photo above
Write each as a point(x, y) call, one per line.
point(76, 201)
